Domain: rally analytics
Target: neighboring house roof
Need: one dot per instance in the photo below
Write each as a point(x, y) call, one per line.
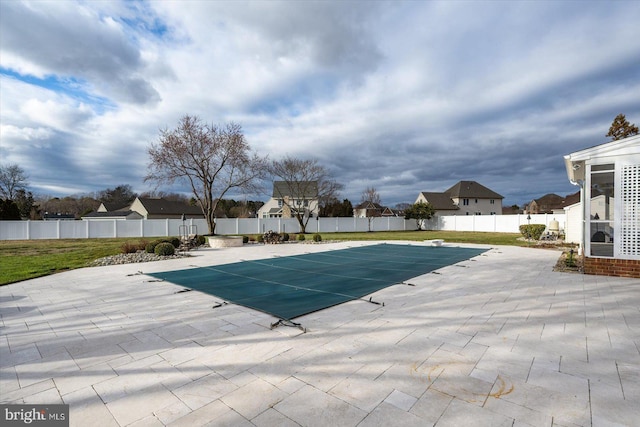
point(53, 216)
point(439, 201)
point(552, 202)
point(374, 208)
point(110, 207)
point(115, 214)
point(308, 189)
point(167, 207)
point(472, 190)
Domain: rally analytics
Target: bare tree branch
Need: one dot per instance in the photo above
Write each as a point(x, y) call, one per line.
point(213, 159)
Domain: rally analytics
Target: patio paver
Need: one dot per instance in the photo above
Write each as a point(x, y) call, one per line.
point(497, 340)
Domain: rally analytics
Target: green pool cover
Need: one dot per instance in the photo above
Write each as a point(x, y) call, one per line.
point(289, 287)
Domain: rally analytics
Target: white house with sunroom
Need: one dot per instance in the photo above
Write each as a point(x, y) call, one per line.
point(609, 179)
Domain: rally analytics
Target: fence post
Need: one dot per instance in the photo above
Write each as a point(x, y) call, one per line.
point(167, 227)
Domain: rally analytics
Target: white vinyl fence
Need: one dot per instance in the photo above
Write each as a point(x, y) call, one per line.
point(32, 230)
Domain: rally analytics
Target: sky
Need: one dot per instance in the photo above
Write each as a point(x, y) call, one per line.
point(400, 96)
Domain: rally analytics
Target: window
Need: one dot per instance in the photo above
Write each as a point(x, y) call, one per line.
point(492, 202)
point(476, 201)
point(601, 231)
point(280, 202)
point(465, 202)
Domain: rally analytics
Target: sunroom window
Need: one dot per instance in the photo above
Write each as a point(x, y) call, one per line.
point(601, 220)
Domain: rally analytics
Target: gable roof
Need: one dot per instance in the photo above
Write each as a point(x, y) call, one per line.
point(110, 207)
point(308, 189)
point(575, 162)
point(472, 190)
point(114, 214)
point(161, 206)
point(439, 201)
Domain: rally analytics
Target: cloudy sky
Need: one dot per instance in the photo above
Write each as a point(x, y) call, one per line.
point(401, 96)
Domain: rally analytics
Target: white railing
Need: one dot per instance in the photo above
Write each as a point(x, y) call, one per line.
point(33, 230)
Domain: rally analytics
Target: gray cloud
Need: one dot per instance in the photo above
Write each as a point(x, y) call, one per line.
point(402, 96)
point(44, 39)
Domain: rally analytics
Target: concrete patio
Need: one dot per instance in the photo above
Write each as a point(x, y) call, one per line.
point(499, 340)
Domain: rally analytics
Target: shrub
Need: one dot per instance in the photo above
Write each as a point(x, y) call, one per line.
point(164, 249)
point(272, 237)
point(201, 239)
point(142, 244)
point(151, 246)
point(259, 238)
point(175, 241)
point(285, 237)
point(301, 237)
point(245, 239)
point(533, 231)
point(129, 248)
point(317, 238)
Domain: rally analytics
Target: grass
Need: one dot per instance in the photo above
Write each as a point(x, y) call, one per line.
point(28, 259)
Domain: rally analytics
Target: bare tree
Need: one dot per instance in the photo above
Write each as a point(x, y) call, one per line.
point(212, 159)
point(12, 179)
point(304, 183)
point(371, 203)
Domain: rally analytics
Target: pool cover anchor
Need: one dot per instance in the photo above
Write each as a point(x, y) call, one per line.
point(286, 322)
point(373, 302)
point(220, 304)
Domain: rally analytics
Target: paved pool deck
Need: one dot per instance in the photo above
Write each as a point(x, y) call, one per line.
point(498, 340)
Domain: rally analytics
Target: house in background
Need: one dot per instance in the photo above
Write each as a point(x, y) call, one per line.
point(441, 202)
point(159, 208)
point(551, 203)
point(609, 211)
point(58, 217)
point(464, 198)
point(289, 197)
point(114, 215)
point(147, 208)
point(372, 210)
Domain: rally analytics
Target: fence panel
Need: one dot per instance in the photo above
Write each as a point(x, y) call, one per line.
point(23, 230)
point(74, 229)
point(14, 230)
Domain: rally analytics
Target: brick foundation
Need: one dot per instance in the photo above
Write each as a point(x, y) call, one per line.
point(612, 267)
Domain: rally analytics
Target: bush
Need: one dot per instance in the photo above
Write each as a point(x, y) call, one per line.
point(164, 249)
point(317, 238)
point(272, 237)
point(285, 237)
point(259, 238)
point(245, 239)
point(175, 241)
point(201, 240)
point(533, 231)
point(151, 246)
point(301, 238)
point(129, 248)
point(142, 244)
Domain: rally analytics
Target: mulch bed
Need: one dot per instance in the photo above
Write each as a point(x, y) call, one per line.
point(562, 266)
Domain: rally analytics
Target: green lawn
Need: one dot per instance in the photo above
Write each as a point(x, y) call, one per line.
point(27, 259)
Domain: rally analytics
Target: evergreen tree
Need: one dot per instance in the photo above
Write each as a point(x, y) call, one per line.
point(621, 128)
